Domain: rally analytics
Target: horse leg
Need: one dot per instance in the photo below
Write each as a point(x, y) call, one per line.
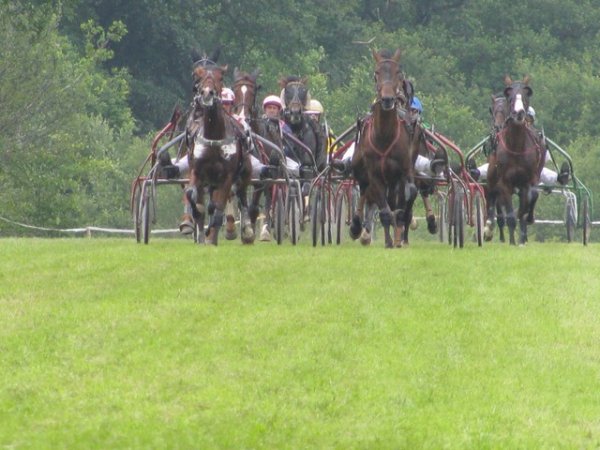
point(365, 235)
point(253, 209)
point(245, 222)
point(265, 232)
point(198, 210)
point(429, 215)
point(491, 199)
point(357, 219)
point(218, 200)
point(501, 220)
point(404, 213)
point(511, 219)
point(527, 199)
point(533, 198)
point(230, 229)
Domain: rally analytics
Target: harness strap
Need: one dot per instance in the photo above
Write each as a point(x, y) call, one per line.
point(386, 152)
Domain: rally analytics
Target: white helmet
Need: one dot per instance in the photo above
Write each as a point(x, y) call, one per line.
point(272, 100)
point(314, 107)
point(531, 112)
point(227, 95)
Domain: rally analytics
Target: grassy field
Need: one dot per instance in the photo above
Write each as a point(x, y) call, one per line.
point(105, 343)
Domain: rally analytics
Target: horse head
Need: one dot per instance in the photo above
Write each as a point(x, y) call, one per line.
point(208, 83)
point(245, 89)
point(388, 78)
point(295, 98)
point(517, 94)
point(498, 112)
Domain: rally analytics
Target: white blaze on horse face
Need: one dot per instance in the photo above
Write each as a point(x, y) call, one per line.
point(244, 89)
point(519, 106)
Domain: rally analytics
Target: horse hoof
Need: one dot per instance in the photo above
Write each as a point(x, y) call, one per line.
point(231, 235)
point(431, 225)
point(265, 234)
point(365, 238)
point(355, 228)
point(248, 235)
point(186, 227)
point(414, 224)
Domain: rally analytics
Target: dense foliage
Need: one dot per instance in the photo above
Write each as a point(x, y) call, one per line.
point(84, 84)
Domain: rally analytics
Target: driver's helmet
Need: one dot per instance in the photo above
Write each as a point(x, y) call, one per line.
point(416, 104)
point(227, 96)
point(314, 107)
point(272, 100)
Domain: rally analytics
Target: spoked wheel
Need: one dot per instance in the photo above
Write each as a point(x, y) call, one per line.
point(135, 205)
point(146, 212)
point(479, 218)
point(318, 217)
point(458, 219)
point(442, 211)
point(570, 219)
point(586, 222)
point(315, 216)
point(278, 215)
point(294, 213)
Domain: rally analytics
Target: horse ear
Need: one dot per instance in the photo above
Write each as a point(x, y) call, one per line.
point(397, 55)
point(526, 79)
point(282, 82)
point(507, 80)
point(304, 80)
point(215, 54)
point(224, 68)
point(195, 54)
point(375, 55)
point(236, 73)
point(255, 73)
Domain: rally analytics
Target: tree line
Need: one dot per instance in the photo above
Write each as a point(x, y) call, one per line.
point(84, 85)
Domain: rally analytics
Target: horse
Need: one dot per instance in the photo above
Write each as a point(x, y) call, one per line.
point(245, 88)
point(383, 163)
point(515, 165)
point(309, 146)
point(499, 114)
point(219, 159)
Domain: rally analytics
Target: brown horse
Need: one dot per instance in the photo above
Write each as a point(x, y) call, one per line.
point(515, 165)
point(219, 159)
point(383, 163)
point(245, 88)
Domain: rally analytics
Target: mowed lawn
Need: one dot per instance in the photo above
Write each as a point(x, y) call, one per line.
point(105, 343)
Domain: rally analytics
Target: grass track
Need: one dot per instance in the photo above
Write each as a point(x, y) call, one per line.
point(108, 344)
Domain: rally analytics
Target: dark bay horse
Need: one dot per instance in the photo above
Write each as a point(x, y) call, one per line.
point(245, 88)
point(219, 159)
point(383, 163)
point(515, 165)
point(310, 151)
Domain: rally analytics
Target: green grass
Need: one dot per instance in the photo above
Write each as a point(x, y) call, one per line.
point(108, 344)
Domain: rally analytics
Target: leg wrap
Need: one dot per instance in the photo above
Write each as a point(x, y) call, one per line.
point(410, 192)
point(511, 221)
point(217, 218)
point(385, 217)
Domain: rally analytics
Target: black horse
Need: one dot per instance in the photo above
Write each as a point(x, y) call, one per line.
point(307, 143)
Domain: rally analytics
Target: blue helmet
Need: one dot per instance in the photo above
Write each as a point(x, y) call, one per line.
point(416, 104)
